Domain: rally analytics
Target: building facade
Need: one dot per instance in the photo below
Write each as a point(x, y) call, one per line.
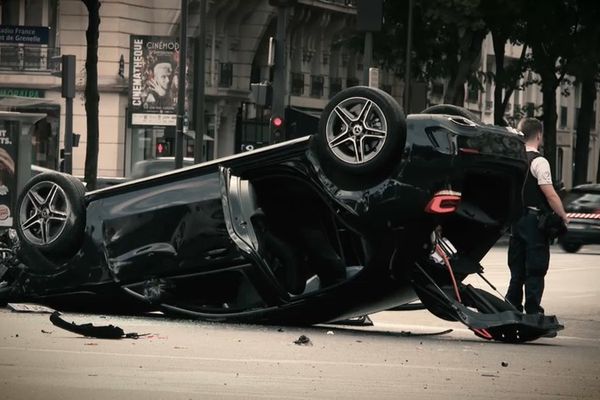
point(319, 64)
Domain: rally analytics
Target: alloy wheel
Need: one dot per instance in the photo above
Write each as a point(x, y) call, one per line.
point(356, 130)
point(44, 213)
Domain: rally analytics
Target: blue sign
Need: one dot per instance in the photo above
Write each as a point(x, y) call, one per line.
point(24, 34)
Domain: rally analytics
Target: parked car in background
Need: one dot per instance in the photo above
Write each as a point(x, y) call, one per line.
point(583, 208)
point(155, 166)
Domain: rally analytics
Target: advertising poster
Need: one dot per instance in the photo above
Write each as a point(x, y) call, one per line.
point(9, 139)
point(153, 67)
point(153, 80)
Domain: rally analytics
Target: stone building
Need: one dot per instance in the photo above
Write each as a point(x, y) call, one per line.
point(319, 64)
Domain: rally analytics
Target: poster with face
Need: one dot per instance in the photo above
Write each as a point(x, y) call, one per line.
point(153, 77)
point(9, 139)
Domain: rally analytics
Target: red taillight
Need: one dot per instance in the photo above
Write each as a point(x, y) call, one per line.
point(443, 202)
point(468, 150)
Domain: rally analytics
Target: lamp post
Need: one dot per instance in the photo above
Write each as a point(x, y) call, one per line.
point(280, 71)
point(408, 57)
point(181, 84)
point(199, 93)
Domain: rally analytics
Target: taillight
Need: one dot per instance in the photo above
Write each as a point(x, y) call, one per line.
point(443, 202)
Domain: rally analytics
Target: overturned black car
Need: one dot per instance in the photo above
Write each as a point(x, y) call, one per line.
point(370, 213)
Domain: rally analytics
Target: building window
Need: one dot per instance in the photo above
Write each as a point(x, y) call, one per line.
point(316, 86)
point(351, 82)
point(226, 75)
point(437, 89)
point(593, 124)
point(473, 94)
point(297, 84)
point(516, 111)
point(530, 109)
point(335, 86)
point(559, 163)
point(563, 117)
point(10, 12)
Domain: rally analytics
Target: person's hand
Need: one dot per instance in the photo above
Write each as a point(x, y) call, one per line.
point(152, 84)
point(566, 220)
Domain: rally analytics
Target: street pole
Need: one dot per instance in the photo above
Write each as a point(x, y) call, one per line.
point(68, 159)
point(408, 58)
point(68, 66)
point(199, 93)
point(279, 76)
point(368, 57)
point(181, 84)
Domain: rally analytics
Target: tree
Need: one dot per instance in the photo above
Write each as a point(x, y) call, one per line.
point(550, 34)
point(92, 97)
point(459, 29)
point(505, 20)
point(586, 69)
point(447, 39)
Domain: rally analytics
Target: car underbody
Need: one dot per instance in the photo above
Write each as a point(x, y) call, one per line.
point(295, 233)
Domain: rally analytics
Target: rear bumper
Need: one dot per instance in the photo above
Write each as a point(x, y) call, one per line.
point(583, 233)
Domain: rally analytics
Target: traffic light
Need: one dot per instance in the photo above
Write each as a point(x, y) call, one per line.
point(67, 74)
point(277, 129)
point(162, 149)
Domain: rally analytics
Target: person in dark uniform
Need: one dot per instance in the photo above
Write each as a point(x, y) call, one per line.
point(529, 247)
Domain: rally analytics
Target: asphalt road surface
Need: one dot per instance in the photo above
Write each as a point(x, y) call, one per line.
point(197, 360)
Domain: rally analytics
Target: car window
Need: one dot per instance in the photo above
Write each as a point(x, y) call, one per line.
point(583, 202)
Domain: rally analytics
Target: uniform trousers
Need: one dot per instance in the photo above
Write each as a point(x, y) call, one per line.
point(528, 261)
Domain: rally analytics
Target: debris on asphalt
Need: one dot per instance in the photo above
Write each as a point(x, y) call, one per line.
point(29, 308)
point(504, 364)
point(89, 330)
point(409, 333)
point(330, 333)
point(280, 330)
point(363, 320)
point(303, 340)
point(47, 332)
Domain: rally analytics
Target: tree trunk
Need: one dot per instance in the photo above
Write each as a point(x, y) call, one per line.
point(598, 170)
point(584, 123)
point(92, 98)
point(549, 86)
point(468, 63)
point(499, 107)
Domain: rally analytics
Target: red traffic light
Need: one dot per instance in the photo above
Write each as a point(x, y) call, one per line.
point(277, 122)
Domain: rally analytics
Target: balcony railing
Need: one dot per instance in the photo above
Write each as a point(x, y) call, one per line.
point(29, 58)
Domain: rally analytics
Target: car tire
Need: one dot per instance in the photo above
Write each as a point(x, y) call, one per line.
point(451, 109)
point(570, 247)
point(50, 214)
point(361, 131)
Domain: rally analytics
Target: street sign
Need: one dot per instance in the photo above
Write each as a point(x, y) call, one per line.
point(14, 34)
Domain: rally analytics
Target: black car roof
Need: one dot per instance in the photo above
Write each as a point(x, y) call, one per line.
point(587, 188)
